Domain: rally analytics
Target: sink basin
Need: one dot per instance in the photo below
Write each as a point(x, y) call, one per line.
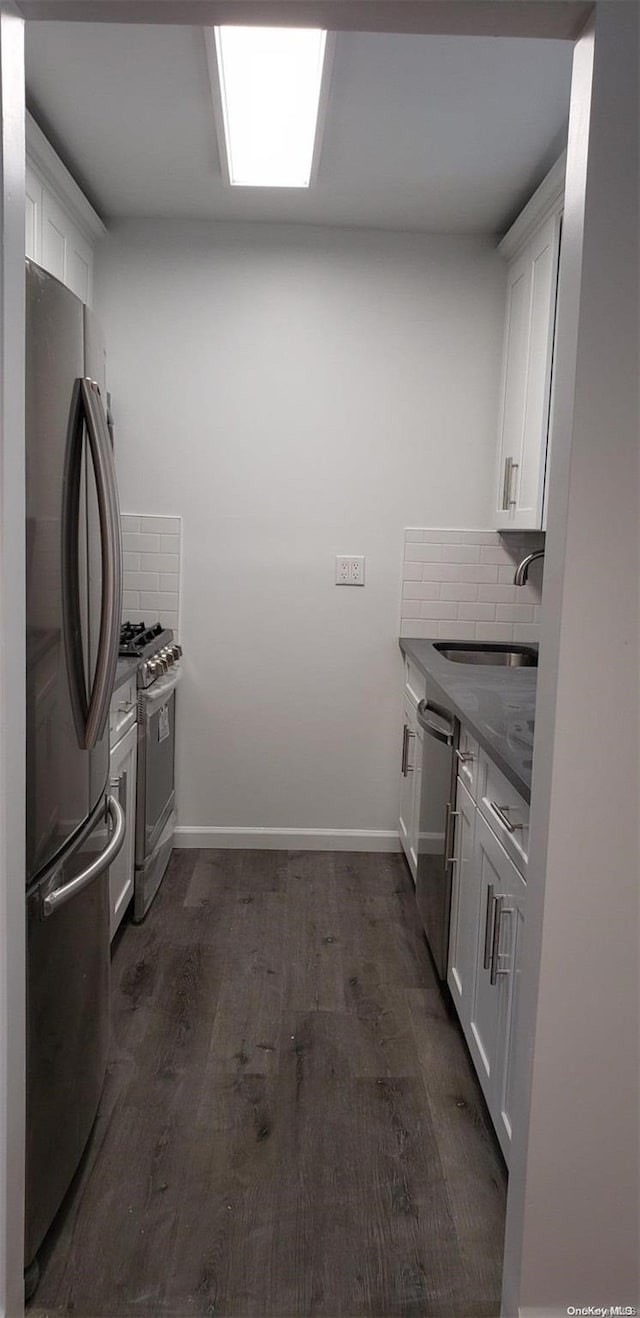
point(493, 656)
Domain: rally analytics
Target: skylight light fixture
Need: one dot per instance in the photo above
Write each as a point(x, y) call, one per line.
point(270, 81)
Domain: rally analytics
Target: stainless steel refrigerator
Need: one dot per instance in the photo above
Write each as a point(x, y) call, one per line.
point(74, 825)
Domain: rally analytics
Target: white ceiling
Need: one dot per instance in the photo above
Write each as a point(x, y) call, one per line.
point(440, 134)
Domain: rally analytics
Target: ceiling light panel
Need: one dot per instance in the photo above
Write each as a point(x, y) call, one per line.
point(270, 80)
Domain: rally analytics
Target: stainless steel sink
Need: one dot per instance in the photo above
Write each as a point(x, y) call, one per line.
point(503, 656)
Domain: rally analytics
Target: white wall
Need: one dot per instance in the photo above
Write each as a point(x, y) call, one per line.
point(572, 1221)
point(295, 393)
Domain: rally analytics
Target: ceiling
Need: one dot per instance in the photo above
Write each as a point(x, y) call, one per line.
point(426, 133)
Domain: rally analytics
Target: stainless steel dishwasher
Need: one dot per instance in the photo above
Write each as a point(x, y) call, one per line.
point(436, 823)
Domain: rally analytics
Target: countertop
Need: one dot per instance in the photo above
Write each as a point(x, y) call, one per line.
point(496, 704)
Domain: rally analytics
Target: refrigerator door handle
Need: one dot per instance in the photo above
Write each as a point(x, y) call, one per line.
point(58, 896)
point(111, 605)
point(71, 612)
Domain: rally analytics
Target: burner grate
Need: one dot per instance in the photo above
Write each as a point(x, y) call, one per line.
point(136, 636)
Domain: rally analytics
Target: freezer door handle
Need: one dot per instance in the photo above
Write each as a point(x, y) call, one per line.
point(58, 896)
point(111, 606)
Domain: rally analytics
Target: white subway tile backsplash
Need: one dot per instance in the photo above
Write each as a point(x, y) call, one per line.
point(496, 554)
point(138, 615)
point(421, 590)
point(459, 584)
point(498, 594)
point(467, 572)
point(169, 581)
point(425, 553)
point(164, 525)
point(418, 627)
point(461, 554)
point(458, 590)
point(151, 565)
point(456, 631)
point(514, 613)
point(440, 536)
point(438, 611)
point(141, 581)
point(526, 631)
point(477, 612)
point(479, 537)
point(159, 600)
point(159, 562)
point(493, 631)
point(136, 542)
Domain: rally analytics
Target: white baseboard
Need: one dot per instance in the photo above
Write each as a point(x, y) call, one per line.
point(288, 839)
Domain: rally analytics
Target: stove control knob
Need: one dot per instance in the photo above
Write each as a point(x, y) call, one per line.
point(177, 650)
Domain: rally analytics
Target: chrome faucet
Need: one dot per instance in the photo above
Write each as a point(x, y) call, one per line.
point(522, 570)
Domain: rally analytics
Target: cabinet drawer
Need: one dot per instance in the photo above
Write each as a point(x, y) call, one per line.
point(504, 810)
point(467, 756)
point(122, 713)
point(414, 682)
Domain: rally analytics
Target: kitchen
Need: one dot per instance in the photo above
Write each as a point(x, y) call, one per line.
point(253, 595)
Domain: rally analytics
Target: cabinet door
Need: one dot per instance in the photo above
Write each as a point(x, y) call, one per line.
point(500, 889)
point(512, 1038)
point(407, 816)
point(123, 771)
point(526, 386)
point(416, 748)
point(65, 253)
point(465, 895)
point(33, 216)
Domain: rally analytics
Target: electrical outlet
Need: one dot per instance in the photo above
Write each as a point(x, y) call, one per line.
point(342, 570)
point(349, 570)
point(356, 570)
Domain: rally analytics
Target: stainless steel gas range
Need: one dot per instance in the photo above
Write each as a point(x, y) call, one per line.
point(158, 674)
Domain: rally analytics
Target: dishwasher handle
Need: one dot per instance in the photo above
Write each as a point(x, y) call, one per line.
point(443, 731)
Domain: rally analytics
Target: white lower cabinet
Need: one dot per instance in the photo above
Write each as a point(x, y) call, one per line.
point(410, 779)
point(122, 770)
point(487, 914)
point(463, 928)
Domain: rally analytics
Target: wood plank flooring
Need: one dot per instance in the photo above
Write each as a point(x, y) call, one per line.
point(290, 1124)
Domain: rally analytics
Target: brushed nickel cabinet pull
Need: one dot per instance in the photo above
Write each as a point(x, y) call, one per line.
point(486, 960)
point(506, 485)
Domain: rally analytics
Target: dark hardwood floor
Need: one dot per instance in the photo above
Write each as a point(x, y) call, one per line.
point(290, 1124)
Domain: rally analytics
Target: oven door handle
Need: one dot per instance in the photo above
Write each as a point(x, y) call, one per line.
point(444, 734)
point(152, 697)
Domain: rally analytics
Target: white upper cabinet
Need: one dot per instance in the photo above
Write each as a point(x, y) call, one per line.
point(62, 227)
point(532, 248)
